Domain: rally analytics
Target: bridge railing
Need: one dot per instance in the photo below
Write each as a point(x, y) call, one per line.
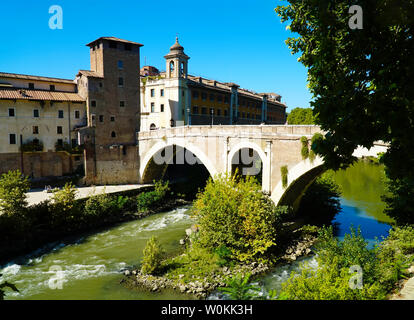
point(237, 130)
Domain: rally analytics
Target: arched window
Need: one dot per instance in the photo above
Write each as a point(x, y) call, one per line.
point(113, 134)
point(171, 68)
point(153, 126)
point(182, 69)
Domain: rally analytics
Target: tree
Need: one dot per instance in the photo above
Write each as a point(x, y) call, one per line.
point(153, 253)
point(235, 213)
point(301, 116)
point(13, 188)
point(362, 83)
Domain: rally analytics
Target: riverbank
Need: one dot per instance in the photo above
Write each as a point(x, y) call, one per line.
point(38, 226)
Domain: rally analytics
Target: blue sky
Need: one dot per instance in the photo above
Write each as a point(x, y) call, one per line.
point(231, 41)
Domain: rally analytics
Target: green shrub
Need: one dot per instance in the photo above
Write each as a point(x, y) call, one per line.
point(13, 188)
point(153, 254)
point(238, 288)
point(146, 200)
point(31, 146)
point(224, 255)
point(64, 208)
point(284, 173)
point(331, 279)
point(99, 205)
point(196, 263)
point(305, 148)
point(236, 214)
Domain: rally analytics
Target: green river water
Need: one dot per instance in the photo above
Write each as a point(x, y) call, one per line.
point(91, 267)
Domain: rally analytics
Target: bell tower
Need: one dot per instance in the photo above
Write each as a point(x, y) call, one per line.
point(176, 77)
point(177, 62)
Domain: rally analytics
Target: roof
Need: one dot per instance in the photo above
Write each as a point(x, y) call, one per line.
point(216, 85)
point(37, 78)
point(115, 39)
point(25, 94)
point(89, 73)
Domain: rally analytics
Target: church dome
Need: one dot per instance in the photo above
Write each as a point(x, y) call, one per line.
point(176, 46)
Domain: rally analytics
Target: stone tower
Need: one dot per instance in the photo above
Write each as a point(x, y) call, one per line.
point(112, 90)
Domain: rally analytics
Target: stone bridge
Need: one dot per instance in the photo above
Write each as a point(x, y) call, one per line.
point(218, 147)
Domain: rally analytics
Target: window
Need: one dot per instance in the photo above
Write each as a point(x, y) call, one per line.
point(77, 114)
point(12, 138)
point(152, 107)
point(203, 110)
point(171, 68)
point(162, 92)
point(226, 99)
point(60, 142)
point(195, 110)
point(113, 134)
point(162, 108)
point(59, 130)
point(127, 46)
point(219, 112)
point(121, 82)
point(122, 103)
point(112, 45)
point(11, 112)
point(35, 130)
point(243, 115)
point(195, 94)
point(60, 114)
point(219, 98)
point(36, 113)
point(212, 97)
point(31, 85)
point(225, 113)
point(93, 103)
point(183, 93)
point(112, 119)
point(120, 64)
point(152, 93)
point(204, 96)
point(101, 118)
point(52, 87)
point(74, 143)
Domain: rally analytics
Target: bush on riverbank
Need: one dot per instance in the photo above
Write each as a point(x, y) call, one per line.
point(152, 258)
point(334, 277)
point(236, 214)
point(147, 200)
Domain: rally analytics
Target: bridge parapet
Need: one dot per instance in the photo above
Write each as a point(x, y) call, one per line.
point(261, 132)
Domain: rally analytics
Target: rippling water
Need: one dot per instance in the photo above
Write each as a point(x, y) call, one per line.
point(91, 267)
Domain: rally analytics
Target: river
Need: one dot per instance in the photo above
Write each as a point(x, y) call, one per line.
point(90, 267)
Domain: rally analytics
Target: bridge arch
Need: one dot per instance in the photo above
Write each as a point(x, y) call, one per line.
point(249, 145)
point(160, 146)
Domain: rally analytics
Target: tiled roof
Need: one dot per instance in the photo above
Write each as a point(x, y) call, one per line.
point(25, 94)
point(115, 39)
point(37, 78)
point(88, 73)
